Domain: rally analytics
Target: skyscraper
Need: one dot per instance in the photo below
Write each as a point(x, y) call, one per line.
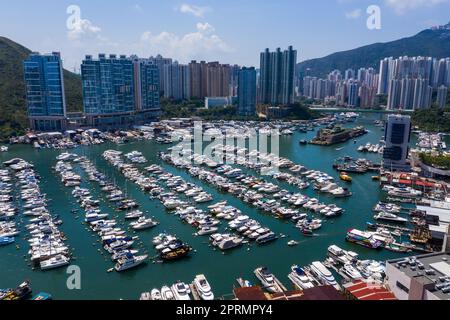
point(353, 90)
point(442, 96)
point(177, 81)
point(394, 94)
point(119, 91)
point(44, 81)
point(397, 137)
point(247, 92)
point(383, 82)
point(160, 62)
point(277, 76)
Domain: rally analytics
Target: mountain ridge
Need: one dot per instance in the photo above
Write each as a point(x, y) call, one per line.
point(429, 42)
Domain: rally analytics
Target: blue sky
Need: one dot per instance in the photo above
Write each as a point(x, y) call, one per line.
point(231, 31)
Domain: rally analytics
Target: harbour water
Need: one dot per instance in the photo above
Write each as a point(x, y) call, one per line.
point(220, 269)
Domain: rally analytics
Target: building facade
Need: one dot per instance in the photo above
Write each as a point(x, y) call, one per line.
point(44, 82)
point(277, 71)
point(397, 138)
point(247, 92)
point(119, 91)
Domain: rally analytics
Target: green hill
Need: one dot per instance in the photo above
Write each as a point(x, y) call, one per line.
point(13, 118)
point(434, 43)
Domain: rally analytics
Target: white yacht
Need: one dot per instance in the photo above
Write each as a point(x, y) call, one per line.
point(129, 262)
point(352, 272)
point(267, 279)
point(203, 288)
point(300, 279)
point(156, 295)
point(143, 224)
point(167, 294)
point(324, 275)
point(181, 291)
point(55, 262)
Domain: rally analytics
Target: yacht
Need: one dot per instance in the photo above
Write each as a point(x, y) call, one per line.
point(229, 243)
point(129, 261)
point(268, 237)
point(167, 294)
point(207, 231)
point(143, 224)
point(203, 288)
point(181, 291)
point(55, 262)
point(389, 217)
point(268, 280)
point(300, 279)
point(351, 272)
point(156, 295)
point(324, 275)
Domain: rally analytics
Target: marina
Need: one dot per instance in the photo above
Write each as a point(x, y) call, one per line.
point(216, 226)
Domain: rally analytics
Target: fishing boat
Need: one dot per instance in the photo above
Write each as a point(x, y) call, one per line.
point(22, 292)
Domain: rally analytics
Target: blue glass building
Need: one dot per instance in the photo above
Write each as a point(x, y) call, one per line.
point(247, 92)
point(119, 91)
point(44, 81)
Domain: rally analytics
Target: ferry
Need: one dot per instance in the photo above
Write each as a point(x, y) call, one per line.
point(364, 239)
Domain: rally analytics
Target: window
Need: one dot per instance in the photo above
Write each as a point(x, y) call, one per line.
point(402, 287)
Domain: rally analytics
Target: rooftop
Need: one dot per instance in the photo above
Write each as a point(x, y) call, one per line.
point(432, 270)
point(367, 291)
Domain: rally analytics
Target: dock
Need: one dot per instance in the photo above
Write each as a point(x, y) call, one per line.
point(194, 292)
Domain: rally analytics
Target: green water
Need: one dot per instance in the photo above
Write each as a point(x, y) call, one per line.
point(220, 269)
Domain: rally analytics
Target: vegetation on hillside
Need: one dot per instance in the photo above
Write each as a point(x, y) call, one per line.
point(13, 113)
point(433, 43)
point(432, 120)
point(441, 161)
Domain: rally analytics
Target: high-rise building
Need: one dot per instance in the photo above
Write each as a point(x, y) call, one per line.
point(397, 137)
point(210, 79)
point(44, 81)
point(394, 94)
point(383, 83)
point(367, 96)
point(353, 90)
point(119, 91)
point(422, 94)
point(177, 81)
point(349, 74)
point(277, 76)
point(160, 62)
point(441, 96)
point(406, 94)
point(247, 92)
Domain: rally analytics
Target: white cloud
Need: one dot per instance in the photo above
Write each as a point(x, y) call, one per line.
point(355, 14)
point(193, 9)
point(203, 43)
point(401, 6)
point(82, 27)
